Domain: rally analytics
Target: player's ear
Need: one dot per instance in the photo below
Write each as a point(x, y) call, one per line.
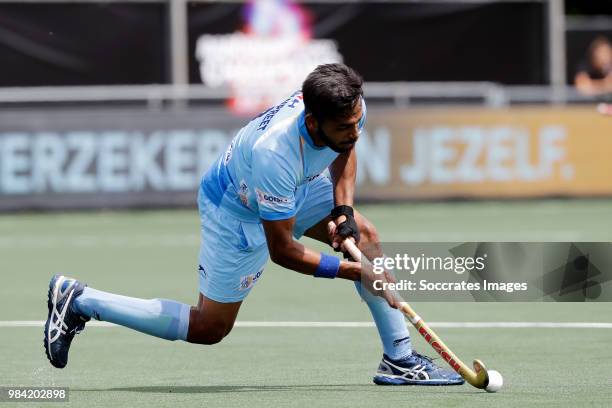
point(311, 122)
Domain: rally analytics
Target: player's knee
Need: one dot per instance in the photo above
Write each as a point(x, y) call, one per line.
point(212, 337)
point(208, 333)
point(207, 336)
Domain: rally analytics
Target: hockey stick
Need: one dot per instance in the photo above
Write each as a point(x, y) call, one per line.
point(479, 377)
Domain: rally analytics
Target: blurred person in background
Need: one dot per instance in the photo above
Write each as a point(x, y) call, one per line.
point(594, 74)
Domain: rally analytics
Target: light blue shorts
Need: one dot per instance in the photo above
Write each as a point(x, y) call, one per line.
point(233, 253)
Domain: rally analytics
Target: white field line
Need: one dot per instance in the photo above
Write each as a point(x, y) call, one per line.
point(442, 325)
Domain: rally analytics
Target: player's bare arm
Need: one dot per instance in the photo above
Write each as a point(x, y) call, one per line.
point(291, 254)
point(343, 173)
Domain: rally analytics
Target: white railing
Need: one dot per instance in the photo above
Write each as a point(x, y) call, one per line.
point(396, 93)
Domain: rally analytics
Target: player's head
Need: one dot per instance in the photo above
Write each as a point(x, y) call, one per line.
point(332, 96)
point(600, 53)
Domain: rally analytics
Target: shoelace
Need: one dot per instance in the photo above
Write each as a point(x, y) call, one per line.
point(424, 360)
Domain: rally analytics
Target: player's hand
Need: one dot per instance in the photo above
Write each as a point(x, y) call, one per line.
point(336, 239)
point(346, 227)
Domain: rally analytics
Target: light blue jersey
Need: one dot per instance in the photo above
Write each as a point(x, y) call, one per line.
point(265, 171)
point(272, 170)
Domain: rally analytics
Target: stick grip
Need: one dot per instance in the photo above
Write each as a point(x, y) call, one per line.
point(352, 249)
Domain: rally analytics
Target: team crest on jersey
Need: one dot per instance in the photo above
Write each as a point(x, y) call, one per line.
point(248, 281)
point(243, 193)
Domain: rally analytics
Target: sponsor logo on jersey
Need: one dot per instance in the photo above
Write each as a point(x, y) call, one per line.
point(201, 270)
point(310, 178)
point(268, 199)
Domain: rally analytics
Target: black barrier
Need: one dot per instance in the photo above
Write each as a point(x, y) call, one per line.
point(88, 43)
point(388, 41)
point(71, 43)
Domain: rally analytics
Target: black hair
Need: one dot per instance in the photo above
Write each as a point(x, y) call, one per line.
point(331, 91)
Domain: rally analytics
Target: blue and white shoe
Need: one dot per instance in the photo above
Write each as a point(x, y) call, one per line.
point(415, 369)
point(62, 321)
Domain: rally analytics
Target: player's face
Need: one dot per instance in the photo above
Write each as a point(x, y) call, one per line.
point(341, 134)
point(602, 57)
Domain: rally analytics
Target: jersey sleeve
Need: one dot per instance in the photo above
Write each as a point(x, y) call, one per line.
point(275, 184)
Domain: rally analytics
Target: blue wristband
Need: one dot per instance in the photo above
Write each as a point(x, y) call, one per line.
point(328, 267)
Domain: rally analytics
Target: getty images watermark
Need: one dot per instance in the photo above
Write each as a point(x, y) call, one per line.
point(459, 265)
point(500, 271)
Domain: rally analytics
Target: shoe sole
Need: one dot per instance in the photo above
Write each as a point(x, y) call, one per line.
point(384, 380)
